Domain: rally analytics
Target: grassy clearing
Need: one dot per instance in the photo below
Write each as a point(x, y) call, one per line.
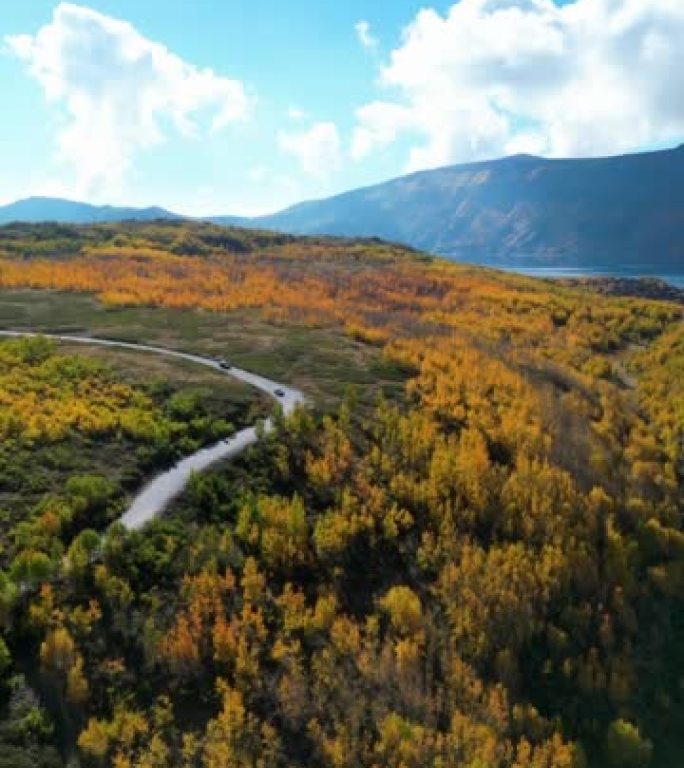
point(322, 362)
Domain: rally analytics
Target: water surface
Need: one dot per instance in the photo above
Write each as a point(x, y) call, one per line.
point(535, 267)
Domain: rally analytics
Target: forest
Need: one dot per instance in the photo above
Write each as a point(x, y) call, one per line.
point(481, 569)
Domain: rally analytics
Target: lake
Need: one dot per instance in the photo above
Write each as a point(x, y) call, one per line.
point(675, 277)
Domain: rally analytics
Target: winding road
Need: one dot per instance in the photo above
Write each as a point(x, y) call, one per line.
point(155, 497)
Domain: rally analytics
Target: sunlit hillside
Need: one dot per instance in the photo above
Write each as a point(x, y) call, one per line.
point(470, 554)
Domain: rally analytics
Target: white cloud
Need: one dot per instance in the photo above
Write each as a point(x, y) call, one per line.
point(365, 36)
point(494, 77)
point(121, 93)
point(295, 113)
point(318, 149)
point(379, 124)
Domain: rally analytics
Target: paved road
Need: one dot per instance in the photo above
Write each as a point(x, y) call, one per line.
point(155, 497)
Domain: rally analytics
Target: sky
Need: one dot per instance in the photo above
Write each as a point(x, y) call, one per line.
point(247, 106)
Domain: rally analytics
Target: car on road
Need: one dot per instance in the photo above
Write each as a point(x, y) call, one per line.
point(225, 364)
point(279, 393)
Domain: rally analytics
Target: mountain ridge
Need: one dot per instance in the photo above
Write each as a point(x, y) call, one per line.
point(623, 209)
point(36, 209)
point(616, 211)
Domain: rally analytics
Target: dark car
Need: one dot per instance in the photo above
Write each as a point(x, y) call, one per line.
point(279, 393)
point(225, 364)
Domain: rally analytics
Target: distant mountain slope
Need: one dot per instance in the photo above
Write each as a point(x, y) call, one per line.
point(622, 210)
point(609, 213)
point(35, 209)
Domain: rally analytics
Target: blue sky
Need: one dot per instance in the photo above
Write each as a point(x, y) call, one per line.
point(230, 106)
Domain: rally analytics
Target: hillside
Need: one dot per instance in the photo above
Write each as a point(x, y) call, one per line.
point(615, 212)
point(37, 209)
point(466, 551)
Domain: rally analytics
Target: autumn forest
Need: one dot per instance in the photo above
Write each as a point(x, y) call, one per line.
point(466, 551)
